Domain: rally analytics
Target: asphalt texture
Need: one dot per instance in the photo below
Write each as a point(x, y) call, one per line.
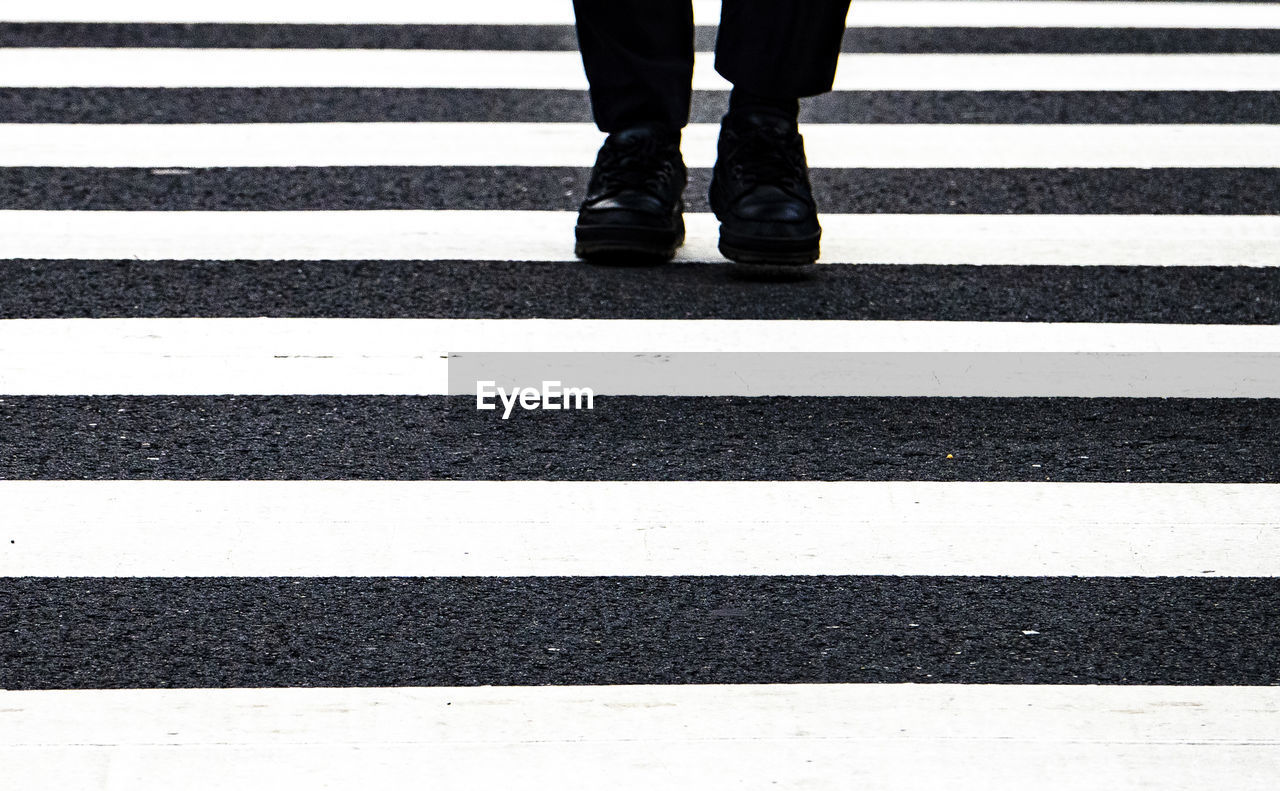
point(642, 438)
point(332, 104)
point(229, 632)
point(39, 289)
point(77, 633)
point(948, 40)
point(837, 190)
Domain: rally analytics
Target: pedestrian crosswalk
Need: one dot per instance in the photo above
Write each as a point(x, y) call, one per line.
point(990, 498)
point(195, 356)
point(533, 235)
point(536, 528)
point(875, 13)
point(828, 146)
point(804, 733)
point(297, 68)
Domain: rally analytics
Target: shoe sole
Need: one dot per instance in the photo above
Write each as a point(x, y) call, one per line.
point(764, 250)
point(769, 250)
point(628, 241)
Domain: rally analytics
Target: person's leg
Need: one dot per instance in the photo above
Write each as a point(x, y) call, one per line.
point(638, 56)
point(743, 101)
point(774, 52)
point(780, 48)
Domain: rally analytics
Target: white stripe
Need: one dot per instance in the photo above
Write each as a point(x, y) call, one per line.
point(407, 356)
point(523, 528)
point(1142, 240)
point(414, 337)
point(881, 13)
point(873, 373)
point(256, 68)
point(1030, 13)
point(899, 737)
point(574, 145)
point(392, 12)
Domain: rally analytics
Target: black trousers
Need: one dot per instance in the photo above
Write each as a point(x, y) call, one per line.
point(638, 54)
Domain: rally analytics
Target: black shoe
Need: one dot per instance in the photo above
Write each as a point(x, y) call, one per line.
point(633, 205)
point(760, 192)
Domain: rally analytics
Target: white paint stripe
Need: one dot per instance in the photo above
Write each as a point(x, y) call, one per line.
point(257, 68)
point(892, 737)
point(574, 145)
point(1031, 13)
point(392, 12)
point(873, 373)
point(535, 528)
point(407, 356)
point(880, 13)
point(1135, 240)
point(314, 336)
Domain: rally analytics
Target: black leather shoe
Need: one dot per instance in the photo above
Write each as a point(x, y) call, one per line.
point(760, 192)
point(633, 205)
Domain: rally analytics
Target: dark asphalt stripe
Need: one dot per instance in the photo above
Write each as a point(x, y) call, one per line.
point(289, 36)
point(995, 40)
point(1068, 41)
point(297, 105)
point(531, 290)
point(91, 633)
point(837, 190)
point(642, 438)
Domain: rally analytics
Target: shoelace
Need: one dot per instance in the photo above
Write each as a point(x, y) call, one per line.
point(635, 164)
point(775, 160)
